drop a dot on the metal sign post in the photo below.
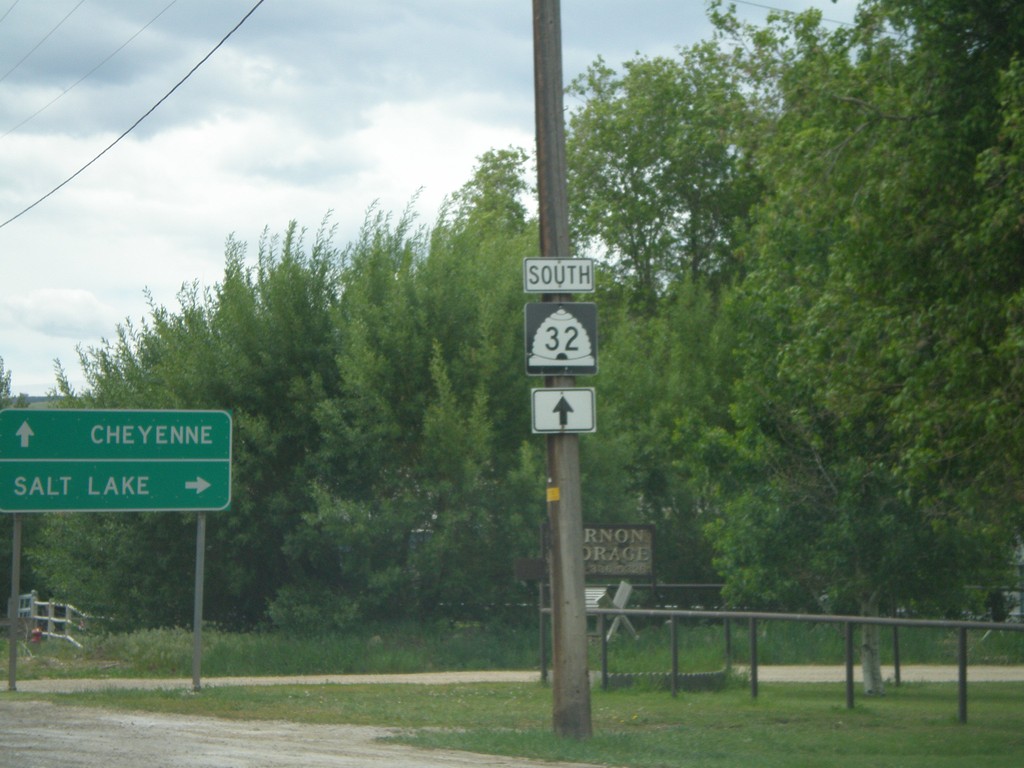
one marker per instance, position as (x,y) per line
(197,615)
(12,607)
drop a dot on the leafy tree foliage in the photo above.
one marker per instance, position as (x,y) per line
(870,367)
(29,526)
(5,386)
(259,344)
(656,178)
(664,383)
(658,185)
(434,403)
(379,454)
(5,526)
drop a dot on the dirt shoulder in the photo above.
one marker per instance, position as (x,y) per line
(422,678)
(780,674)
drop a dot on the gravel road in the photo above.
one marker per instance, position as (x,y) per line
(41,735)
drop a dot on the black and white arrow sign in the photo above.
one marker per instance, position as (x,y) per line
(564,410)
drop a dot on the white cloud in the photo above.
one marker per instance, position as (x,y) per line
(67,313)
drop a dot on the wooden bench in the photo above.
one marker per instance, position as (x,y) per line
(597,597)
(594,598)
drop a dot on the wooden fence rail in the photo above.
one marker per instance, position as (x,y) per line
(50,618)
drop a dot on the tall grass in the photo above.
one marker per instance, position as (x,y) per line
(411,647)
(396,648)
(702,646)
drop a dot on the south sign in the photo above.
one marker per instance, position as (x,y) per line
(546,275)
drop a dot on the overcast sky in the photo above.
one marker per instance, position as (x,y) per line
(310,106)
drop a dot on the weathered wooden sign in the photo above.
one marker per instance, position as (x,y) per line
(615,551)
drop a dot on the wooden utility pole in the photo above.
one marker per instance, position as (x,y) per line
(570,679)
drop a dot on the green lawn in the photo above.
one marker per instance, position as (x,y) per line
(787,725)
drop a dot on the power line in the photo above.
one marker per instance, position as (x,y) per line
(63,93)
(134,125)
(783,10)
(8,11)
(45,38)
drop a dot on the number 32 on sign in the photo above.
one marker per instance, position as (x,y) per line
(561,338)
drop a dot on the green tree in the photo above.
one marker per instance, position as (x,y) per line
(656,178)
(989,417)
(432,498)
(5,528)
(260,344)
(665,381)
(30,525)
(5,386)
(866,319)
(7,398)
(479,458)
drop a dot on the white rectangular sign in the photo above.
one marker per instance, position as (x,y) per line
(570,409)
(558,275)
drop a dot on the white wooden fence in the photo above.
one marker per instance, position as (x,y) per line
(51,619)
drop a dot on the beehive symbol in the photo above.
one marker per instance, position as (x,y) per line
(561,340)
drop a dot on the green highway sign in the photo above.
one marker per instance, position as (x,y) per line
(114,460)
(111,434)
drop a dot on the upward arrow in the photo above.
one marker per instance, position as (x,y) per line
(25,432)
(563,409)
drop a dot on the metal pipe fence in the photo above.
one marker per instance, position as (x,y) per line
(848,623)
